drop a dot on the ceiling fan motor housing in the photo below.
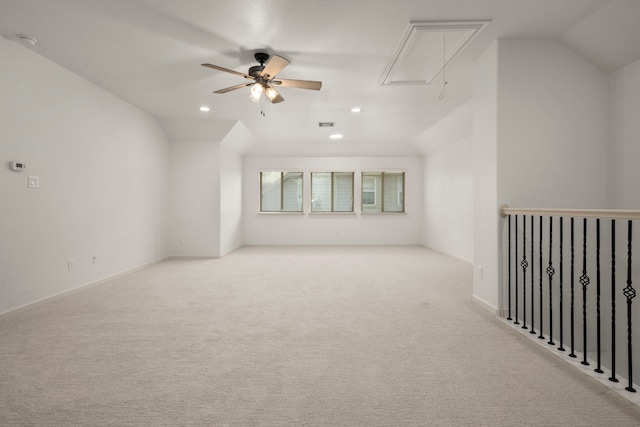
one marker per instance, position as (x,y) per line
(255,70)
(261,57)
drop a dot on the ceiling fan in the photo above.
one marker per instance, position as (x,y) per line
(264,80)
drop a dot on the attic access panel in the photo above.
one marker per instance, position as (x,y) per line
(426,48)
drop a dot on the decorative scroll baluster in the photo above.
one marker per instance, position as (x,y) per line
(572,291)
(584,281)
(630,293)
(561,348)
(613,302)
(515,321)
(524,265)
(550,273)
(532,331)
(541,336)
(509,262)
(598,348)
(527,261)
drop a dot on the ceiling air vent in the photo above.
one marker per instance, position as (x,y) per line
(325,124)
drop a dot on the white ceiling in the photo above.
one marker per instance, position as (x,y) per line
(148,52)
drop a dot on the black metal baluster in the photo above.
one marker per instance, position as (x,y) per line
(572,292)
(509,262)
(613,302)
(561,348)
(515,322)
(550,273)
(598,347)
(541,336)
(524,265)
(532,331)
(630,293)
(584,281)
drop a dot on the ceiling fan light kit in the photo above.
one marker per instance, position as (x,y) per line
(256,92)
(264,78)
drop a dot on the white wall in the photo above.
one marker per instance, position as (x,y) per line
(351,228)
(206,187)
(549,146)
(624,137)
(234,144)
(485,181)
(230,200)
(102,166)
(448,204)
(552,127)
(448,183)
(194,191)
(624,191)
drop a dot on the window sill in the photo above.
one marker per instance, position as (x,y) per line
(382,213)
(280,213)
(332,213)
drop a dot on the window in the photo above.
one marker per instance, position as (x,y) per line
(382,192)
(369,191)
(280,191)
(332,192)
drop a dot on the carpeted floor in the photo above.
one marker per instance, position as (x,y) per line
(288,336)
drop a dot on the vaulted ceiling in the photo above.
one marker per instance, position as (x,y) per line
(148,52)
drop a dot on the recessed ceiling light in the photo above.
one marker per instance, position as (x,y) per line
(28,40)
(356,109)
(204,108)
(336,136)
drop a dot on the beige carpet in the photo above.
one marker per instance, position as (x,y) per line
(288,336)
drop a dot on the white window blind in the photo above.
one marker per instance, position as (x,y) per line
(332,192)
(382,192)
(343,192)
(280,191)
(393,196)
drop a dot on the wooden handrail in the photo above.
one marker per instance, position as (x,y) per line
(579,213)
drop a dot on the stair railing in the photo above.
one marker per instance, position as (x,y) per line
(578,315)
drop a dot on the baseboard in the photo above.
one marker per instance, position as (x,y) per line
(482,303)
(37,303)
(502,312)
(465,260)
(223,254)
(193,257)
(617,387)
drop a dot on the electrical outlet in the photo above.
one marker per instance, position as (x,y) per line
(479,272)
(70,265)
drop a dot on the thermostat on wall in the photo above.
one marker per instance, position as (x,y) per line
(18,166)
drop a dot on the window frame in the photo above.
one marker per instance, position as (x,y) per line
(333,173)
(380,197)
(282,192)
